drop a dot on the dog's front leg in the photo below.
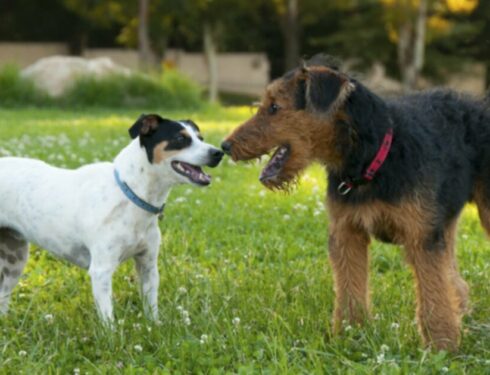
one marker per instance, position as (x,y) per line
(348,253)
(101,276)
(147,268)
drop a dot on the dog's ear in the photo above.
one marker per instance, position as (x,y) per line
(325,90)
(145,125)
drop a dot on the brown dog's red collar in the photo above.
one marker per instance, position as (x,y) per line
(346,186)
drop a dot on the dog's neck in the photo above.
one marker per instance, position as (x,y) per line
(150,182)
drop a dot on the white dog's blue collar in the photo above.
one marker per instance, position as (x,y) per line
(131,195)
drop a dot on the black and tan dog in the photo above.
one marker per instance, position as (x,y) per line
(400,170)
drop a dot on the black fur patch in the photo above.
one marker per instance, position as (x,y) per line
(192,124)
(300,95)
(323,89)
(153,130)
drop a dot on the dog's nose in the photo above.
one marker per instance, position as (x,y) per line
(226,147)
(216,156)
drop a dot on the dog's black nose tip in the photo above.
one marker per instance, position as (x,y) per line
(216,154)
(226,147)
(215,157)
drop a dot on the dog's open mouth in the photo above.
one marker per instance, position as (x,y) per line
(193,172)
(275,165)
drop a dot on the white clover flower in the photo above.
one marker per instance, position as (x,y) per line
(76,371)
(22,353)
(138,348)
(49,317)
(236,321)
(444,369)
(348,328)
(198,202)
(120,322)
(180,308)
(286,217)
(262,193)
(136,326)
(182,290)
(180,199)
(385,348)
(187,321)
(380,358)
(395,325)
(204,339)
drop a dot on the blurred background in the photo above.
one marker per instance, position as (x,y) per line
(231,49)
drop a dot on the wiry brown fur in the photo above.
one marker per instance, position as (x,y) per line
(310,136)
(412,221)
(409,224)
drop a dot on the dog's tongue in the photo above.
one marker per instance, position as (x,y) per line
(274,165)
(196,174)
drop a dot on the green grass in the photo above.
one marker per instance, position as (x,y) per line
(248,266)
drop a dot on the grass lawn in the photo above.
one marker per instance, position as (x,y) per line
(245,282)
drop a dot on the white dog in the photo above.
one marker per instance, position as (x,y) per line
(101,214)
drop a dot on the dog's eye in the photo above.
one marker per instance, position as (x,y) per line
(180,138)
(273,108)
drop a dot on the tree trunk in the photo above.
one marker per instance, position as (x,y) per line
(144,51)
(411,47)
(291,35)
(212,62)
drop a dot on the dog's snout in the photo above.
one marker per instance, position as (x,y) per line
(215,156)
(226,147)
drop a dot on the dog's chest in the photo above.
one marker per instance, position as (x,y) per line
(137,239)
(388,223)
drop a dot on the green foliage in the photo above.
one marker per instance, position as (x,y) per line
(169,91)
(16,91)
(233,250)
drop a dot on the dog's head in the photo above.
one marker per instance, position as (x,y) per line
(296,119)
(176,145)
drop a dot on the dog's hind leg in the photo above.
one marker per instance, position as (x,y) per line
(459,284)
(14,251)
(348,253)
(437,310)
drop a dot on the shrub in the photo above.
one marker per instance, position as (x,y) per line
(171,90)
(16,91)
